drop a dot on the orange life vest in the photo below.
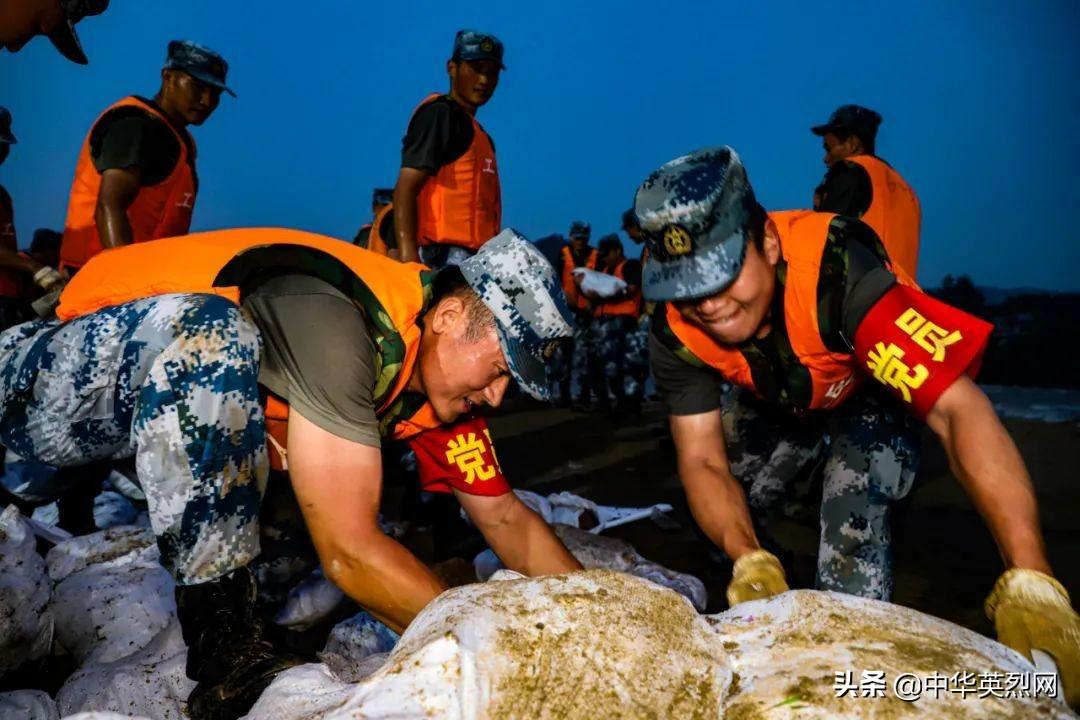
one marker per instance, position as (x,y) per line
(375,242)
(199,263)
(462,203)
(574,299)
(832,375)
(894,212)
(162,210)
(630,305)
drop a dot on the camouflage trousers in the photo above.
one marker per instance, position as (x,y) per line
(870,449)
(637,360)
(172,381)
(610,342)
(569,367)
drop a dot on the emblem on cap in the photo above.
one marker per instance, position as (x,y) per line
(677,240)
(487,46)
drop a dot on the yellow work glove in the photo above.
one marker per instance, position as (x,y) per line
(756,575)
(1031,611)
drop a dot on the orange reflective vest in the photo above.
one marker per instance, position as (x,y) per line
(630,305)
(574,299)
(162,210)
(832,375)
(375,242)
(462,203)
(894,212)
(391,292)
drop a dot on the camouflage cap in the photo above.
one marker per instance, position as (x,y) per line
(382,196)
(475,45)
(199,62)
(6,136)
(514,280)
(64,37)
(580,228)
(695,212)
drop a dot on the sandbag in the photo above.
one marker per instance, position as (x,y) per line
(310,601)
(26,622)
(353,642)
(304,692)
(149,682)
(27,705)
(593,644)
(787,651)
(599,552)
(112,596)
(604,285)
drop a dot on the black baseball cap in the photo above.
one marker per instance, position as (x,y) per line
(475,45)
(854,119)
(64,37)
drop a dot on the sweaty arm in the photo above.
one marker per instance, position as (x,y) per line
(715,495)
(926,353)
(338,484)
(406,223)
(119,187)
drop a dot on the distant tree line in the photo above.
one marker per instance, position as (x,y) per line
(1036,340)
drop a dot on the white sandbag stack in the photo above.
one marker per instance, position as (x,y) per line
(26,623)
(788,650)
(27,705)
(594,644)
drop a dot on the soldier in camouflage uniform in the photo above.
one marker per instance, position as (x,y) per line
(834,350)
(179,381)
(637,342)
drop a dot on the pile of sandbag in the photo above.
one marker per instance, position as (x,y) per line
(26,622)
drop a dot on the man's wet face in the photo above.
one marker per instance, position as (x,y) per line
(21,20)
(193,99)
(474,81)
(460,373)
(740,311)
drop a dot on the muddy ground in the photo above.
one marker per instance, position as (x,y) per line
(945,561)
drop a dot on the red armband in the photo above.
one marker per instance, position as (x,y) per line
(918,346)
(459,457)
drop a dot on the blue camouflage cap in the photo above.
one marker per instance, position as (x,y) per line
(580,228)
(520,288)
(6,136)
(475,45)
(695,212)
(199,62)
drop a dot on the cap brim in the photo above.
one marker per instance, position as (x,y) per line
(527,369)
(480,57)
(65,39)
(696,275)
(824,129)
(209,80)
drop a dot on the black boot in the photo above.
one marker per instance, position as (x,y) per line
(227,652)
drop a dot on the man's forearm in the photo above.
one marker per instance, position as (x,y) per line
(113,226)
(719,506)
(384,578)
(985,460)
(405,224)
(530,546)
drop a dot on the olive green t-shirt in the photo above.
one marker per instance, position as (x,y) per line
(317,354)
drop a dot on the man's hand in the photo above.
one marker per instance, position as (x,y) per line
(520,537)
(756,575)
(406,216)
(49,279)
(338,484)
(1031,611)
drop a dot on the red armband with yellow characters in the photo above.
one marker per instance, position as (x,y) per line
(918,346)
(459,457)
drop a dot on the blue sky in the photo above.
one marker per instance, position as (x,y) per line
(979,102)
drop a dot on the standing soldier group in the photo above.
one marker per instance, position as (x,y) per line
(777,340)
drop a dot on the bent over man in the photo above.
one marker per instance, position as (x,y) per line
(135,179)
(222,345)
(806,315)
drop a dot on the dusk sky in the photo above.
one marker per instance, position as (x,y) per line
(980,110)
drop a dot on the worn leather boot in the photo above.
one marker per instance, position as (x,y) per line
(227,652)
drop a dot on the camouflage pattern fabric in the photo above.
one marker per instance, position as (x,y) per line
(637,360)
(870,447)
(610,340)
(568,371)
(171,380)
